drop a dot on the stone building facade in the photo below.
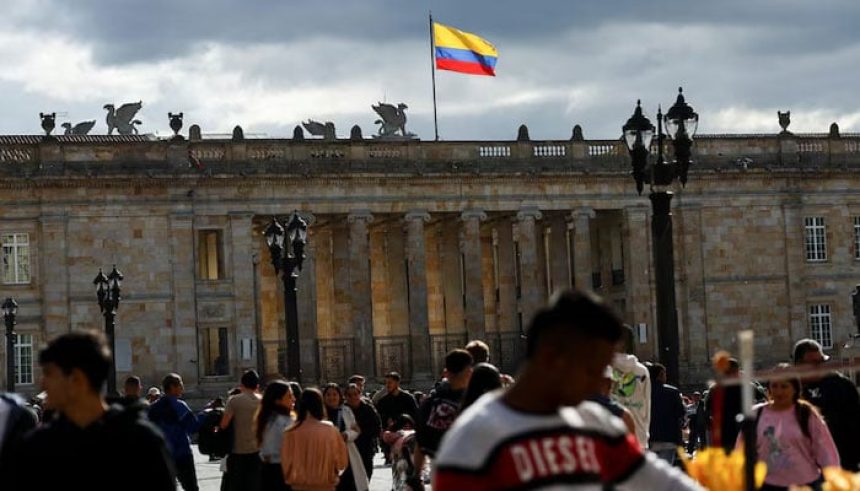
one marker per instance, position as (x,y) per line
(416,247)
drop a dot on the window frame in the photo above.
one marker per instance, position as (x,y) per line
(204,253)
(820,320)
(815,239)
(20,347)
(857,238)
(12,261)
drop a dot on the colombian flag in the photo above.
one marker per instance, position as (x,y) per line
(463,52)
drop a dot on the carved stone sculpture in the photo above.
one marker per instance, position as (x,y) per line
(393,120)
(175,124)
(122,119)
(81,128)
(316,128)
(48,122)
(784,120)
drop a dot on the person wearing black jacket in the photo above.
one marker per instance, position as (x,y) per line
(667,415)
(837,399)
(89,445)
(18,419)
(368,422)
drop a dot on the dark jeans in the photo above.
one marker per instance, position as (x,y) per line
(186,474)
(243,472)
(272,478)
(347,480)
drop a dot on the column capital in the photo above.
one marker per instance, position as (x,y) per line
(359,215)
(583,212)
(473,213)
(527,212)
(422,215)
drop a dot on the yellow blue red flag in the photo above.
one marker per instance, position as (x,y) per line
(463,52)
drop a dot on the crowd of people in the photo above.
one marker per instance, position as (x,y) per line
(583,412)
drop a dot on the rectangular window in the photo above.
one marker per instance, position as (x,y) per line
(23,359)
(216,354)
(816,239)
(857,237)
(16,258)
(210,265)
(819,325)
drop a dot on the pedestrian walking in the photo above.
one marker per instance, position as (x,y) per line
(178,422)
(610,405)
(541,432)
(485,378)
(273,417)
(354,477)
(401,439)
(16,419)
(791,438)
(243,462)
(667,417)
(89,445)
(837,399)
(722,417)
(369,426)
(632,386)
(395,402)
(313,452)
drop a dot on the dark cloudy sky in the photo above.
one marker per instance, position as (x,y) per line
(269,64)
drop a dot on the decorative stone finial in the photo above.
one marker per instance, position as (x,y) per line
(176,124)
(355,133)
(834,130)
(48,122)
(784,120)
(523,133)
(238,134)
(194,133)
(577,134)
(298,133)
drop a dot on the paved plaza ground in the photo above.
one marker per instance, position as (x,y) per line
(209,475)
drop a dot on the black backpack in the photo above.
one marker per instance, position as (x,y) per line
(211,439)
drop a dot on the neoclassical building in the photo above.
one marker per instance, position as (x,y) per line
(415,247)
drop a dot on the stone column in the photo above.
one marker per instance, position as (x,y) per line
(692,306)
(419,325)
(605,245)
(508,315)
(531,297)
(582,247)
(359,284)
(637,270)
(398,303)
(54,268)
(452,279)
(184,311)
(474,290)
(795,270)
(341,322)
(559,260)
(306,300)
(242,266)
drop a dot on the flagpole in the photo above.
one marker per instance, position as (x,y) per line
(433,71)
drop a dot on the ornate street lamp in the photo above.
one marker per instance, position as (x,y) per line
(10,310)
(108,294)
(287,246)
(681,123)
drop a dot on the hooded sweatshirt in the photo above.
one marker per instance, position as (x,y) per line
(632,389)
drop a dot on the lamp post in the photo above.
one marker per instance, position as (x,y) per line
(681,123)
(287,246)
(108,294)
(10,309)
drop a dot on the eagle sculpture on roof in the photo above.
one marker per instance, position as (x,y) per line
(81,128)
(122,119)
(393,120)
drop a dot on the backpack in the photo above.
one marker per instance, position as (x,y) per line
(211,439)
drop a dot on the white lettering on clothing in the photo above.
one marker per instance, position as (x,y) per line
(548,451)
(538,458)
(522,462)
(587,455)
(565,447)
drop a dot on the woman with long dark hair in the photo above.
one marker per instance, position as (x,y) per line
(354,478)
(792,437)
(485,378)
(273,417)
(313,452)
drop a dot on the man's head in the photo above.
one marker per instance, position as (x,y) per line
(153,394)
(570,343)
(657,373)
(353,395)
(250,380)
(74,368)
(132,387)
(809,352)
(696,397)
(479,350)
(392,382)
(358,380)
(458,368)
(172,385)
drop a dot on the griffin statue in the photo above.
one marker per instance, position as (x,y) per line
(81,128)
(122,119)
(393,120)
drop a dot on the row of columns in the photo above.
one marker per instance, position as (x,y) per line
(349,292)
